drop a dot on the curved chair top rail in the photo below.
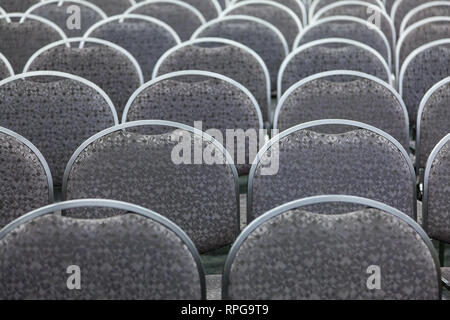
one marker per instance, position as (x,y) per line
(38,154)
(411,57)
(267,3)
(228,159)
(82,40)
(50,209)
(197,32)
(312,124)
(208,74)
(7,64)
(59,3)
(327,74)
(176,2)
(430,162)
(321,200)
(312,8)
(122,18)
(300,4)
(24,16)
(65,76)
(410,29)
(418,9)
(324,42)
(352,19)
(221,41)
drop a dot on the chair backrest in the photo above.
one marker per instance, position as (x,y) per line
(280,16)
(146,38)
(180,15)
(319,4)
(20,39)
(301,162)
(360,97)
(210,9)
(422,69)
(292,253)
(297,6)
(113,7)
(401,8)
(56,112)
(424,11)
(227,57)
(106,64)
(436,211)
(255,33)
(6,69)
(210,99)
(60,12)
(138,255)
(178,171)
(327,55)
(25,178)
(17,5)
(347,27)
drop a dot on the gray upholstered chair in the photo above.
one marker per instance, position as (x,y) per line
(227,57)
(21,35)
(302,162)
(257,34)
(344,95)
(435,202)
(56,112)
(347,27)
(316,5)
(422,69)
(297,6)
(113,7)
(180,15)
(17,5)
(373,253)
(6,69)
(401,8)
(144,37)
(165,166)
(424,11)
(104,63)
(327,55)
(210,9)
(25,178)
(59,12)
(280,16)
(138,255)
(206,98)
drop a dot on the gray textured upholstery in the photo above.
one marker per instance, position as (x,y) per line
(347,29)
(23,181)
(137,168)
(55,116)
(216,103)
(425,69)
(262,39)
(358,99)
(323,3)
(403,8)
(293,5)
(359,162)
(431,11)
(181,19)
(112,7)
(58,14)
(108,68)
(206,8)
(17,5)
(128,257)
(278,17)
(446,274)
(320,58)
(145,40)
(228,60)
(299,255)
(388,5)
(4,71)
(438,195)
(21,40)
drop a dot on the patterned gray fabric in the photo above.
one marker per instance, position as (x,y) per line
(145,40)
(108,68)
(125,257)
(206,8)
(4,72)
(403,9)
(322,58)
(55,116)
(58,14)
(17,5)
(438,195)
(216,103)
(388,5)
(181,19)
(300,255)
(359,163)
(293,5)
(349,30)
(433,11)
(426,69)
(323,3)
(21,40)
(276,16)
(112,7)
(254,35)
(445,272)
(360,99)
(23,181)
(228,60)
(139,169)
